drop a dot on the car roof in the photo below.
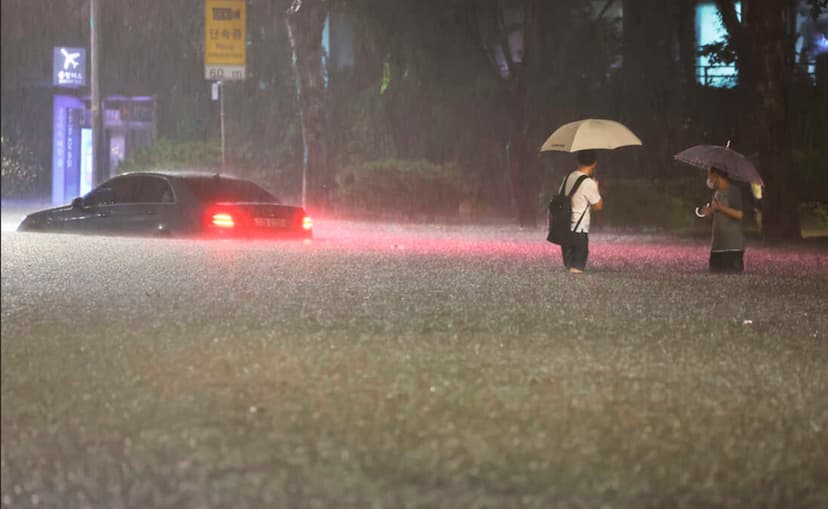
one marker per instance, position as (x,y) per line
(180,174)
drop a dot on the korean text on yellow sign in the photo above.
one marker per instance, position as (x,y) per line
(225,39)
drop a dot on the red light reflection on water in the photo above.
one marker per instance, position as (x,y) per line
(510,246)
(608,252)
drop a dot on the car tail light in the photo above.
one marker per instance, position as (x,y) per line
(223,220)
(307,223)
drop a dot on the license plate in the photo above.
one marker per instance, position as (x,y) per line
(270,222)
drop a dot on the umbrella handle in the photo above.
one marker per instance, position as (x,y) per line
(698,212)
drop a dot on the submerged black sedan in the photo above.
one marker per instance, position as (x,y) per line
(172,204)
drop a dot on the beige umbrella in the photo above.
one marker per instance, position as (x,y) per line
(592,133)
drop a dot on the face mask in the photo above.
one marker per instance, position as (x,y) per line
(710,183)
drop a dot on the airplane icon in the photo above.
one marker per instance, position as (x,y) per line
(70,59)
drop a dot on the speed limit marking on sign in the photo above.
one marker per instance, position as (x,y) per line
(224,72)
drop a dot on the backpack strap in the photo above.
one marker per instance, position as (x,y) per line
(563,185)
(577,185)
(572,193)
(580,219)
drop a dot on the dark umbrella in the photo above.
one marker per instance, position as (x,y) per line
(737,166)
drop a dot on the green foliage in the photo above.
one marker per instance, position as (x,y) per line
(359,132)
(817,7)
(284,180)
(814,219)
(719,53)
(809,126)
(818,211)
(398,188)
(421,86)
(665,204)
(810,175)
(20,172)
(386,76)
(171,155)
(420,89)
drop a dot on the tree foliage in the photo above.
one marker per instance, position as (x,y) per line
(761,46)
(476,85)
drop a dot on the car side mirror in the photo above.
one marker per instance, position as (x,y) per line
(77,203)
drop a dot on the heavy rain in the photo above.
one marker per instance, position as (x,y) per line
(294,253)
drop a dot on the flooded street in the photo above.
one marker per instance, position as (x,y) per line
(409,366)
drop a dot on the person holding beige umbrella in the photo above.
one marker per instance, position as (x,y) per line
(569,211)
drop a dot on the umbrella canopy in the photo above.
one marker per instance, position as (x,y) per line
(737,166)
(592,133)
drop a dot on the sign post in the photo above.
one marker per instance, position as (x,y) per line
(225,49)
(95,91)
(223,138)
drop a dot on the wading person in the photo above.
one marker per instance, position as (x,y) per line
(576,249)
(728,248)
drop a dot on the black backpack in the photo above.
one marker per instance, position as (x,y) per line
(560,214)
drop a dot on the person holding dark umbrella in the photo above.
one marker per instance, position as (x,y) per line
(728,248)
(724,167)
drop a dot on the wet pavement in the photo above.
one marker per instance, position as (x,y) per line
(410,366)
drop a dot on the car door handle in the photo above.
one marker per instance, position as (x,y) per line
(149,212)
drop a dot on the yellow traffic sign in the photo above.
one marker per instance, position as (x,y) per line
(225,39)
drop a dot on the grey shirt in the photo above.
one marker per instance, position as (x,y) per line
(727,232)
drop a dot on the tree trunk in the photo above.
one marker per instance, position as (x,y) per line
(652,102)
(523,185)
(687,46)
(305,21)
(494,34)
(766,22)
(523,174)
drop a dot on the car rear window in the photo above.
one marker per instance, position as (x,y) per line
(217,189)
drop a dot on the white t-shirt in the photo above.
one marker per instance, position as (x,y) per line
(586,196)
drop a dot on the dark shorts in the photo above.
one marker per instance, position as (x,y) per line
(575,252)
(727,262)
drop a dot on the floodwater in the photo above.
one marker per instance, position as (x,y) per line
(409,366)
